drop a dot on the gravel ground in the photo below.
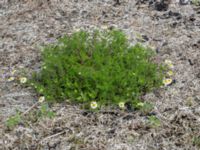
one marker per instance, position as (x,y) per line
(175,34)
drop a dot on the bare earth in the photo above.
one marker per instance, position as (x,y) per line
(175,34)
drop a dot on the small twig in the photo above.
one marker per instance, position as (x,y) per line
(33,106)
(54,135)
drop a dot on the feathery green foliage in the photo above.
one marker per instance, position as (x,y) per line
(97,66)
(196,2)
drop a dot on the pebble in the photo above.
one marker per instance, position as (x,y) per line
(184,2)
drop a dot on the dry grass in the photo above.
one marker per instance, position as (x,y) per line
(23,29)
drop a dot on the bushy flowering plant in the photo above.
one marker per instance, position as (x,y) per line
(98,68)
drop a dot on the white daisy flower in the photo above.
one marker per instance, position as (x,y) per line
(23,80)
(93,105)
(167,81)
(41,99)
(11,79)
(77,29)
(104,27)
(169,63)
(122,105)
(170,73)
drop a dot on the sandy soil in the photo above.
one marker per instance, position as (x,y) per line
(175,34)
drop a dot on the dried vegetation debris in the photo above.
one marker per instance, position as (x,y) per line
(173,32)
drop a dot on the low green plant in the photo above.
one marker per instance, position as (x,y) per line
(33,116)
(13,121)
(145,107)
(196,2)
(45,111)
(196,141)
(154,121)
(98,66)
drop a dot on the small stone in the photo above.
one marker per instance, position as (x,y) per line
(84,113)
(117,3)
(152,113)
(197,110)
(128,117)
(184,2)
(112,131)
(192,18)
(145,37)
(198,75)
(190,62)
(175,14)
(53,144)
(161,6)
